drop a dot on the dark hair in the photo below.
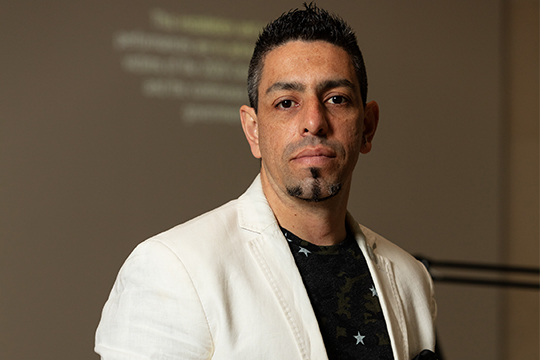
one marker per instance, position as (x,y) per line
(311,24)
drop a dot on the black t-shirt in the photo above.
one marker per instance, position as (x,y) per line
(344,299)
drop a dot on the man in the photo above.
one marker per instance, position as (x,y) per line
(283,272)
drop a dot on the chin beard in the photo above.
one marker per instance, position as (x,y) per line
(313,192)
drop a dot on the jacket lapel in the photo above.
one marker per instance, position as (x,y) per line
(271,251)
(381,269)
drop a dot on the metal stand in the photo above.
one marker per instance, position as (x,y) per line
(438,276)
(502,269)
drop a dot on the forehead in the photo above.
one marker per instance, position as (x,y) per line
(306,62)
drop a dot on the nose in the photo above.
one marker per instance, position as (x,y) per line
(314,119)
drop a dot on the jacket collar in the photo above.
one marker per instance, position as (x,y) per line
(365,239)
(254,212)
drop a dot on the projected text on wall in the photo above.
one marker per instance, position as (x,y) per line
(199,61)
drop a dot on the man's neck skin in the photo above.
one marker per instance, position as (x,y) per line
(321,223)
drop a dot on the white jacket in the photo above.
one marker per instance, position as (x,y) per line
(225,286)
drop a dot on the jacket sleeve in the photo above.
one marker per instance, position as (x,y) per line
(153,311)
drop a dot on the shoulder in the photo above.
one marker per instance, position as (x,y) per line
(182,258)
(207,230)
(215,241)
(215,220)
(221,231)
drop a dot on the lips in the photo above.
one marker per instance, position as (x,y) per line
(319,151)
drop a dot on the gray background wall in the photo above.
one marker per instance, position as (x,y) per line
(91,165)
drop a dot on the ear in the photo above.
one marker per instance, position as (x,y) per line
(250,126)
(371,119)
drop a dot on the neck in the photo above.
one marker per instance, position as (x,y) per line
(320,223)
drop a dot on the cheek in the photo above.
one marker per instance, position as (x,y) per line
(269,143)
(274,136)
(352,139)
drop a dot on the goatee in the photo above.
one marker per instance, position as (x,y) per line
(315,187)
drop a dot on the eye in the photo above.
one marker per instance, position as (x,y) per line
(337,100)
(286,104)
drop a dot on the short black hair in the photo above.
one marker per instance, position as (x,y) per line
(311,24)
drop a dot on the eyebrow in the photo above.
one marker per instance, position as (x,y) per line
(332,84)
(296,86)
(283,85)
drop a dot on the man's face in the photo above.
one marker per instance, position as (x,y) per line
(310,121)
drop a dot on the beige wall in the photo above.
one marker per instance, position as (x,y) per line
(521,327)
(90,166)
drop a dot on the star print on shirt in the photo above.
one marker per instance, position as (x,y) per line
(304,251)
(359,338)
(373,291)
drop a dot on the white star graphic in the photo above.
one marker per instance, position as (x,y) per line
(359,338)
(373,291)
(304,250)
